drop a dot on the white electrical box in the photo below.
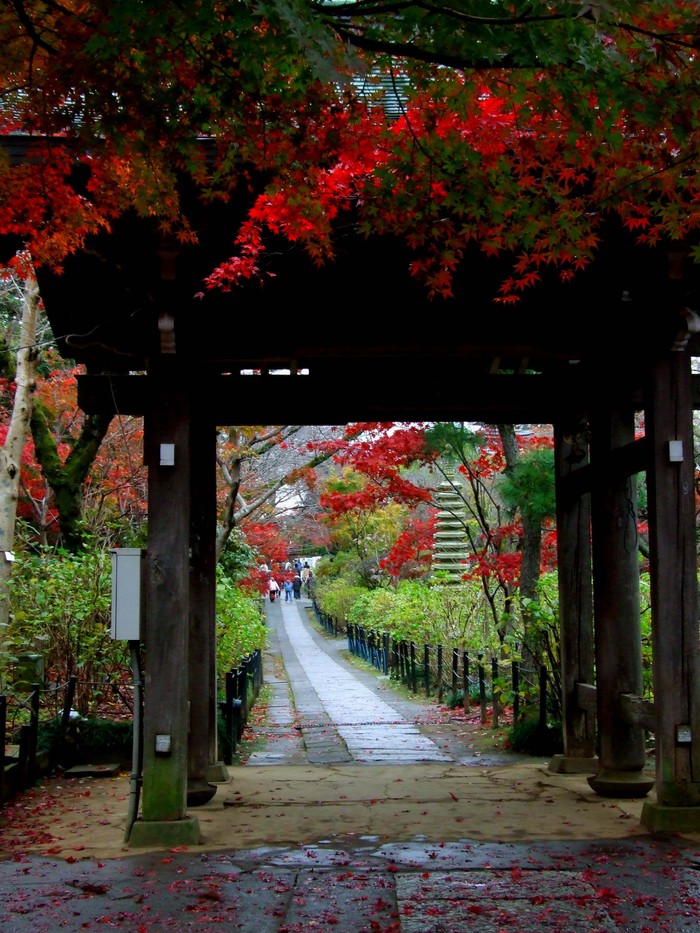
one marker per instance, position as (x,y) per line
(127,598)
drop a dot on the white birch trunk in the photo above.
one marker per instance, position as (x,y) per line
(11,451)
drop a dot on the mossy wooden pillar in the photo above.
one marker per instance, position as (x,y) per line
(202,645)
(674,598)
(575,597)
(616,607)
(163,819)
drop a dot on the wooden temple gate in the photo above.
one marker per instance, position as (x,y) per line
(360,341)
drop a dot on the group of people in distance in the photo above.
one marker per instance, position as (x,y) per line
(294,577)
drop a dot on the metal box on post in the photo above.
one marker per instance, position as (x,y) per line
(127,599)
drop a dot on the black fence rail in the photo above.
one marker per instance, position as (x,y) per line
(38,728)
(21,720)
(328,622)
(242,688)
(450,674)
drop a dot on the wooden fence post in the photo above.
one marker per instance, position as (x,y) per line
(3,739)
(242,696)
(465,681)
(33,734)
(495,698)
(25,745)
(439,673)
(543,696)
(65,716)
(229,721)
(482,689)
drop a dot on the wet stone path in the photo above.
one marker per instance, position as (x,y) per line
(325,710)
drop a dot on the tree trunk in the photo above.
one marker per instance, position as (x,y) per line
(67,480)
(531,548)
(11,451)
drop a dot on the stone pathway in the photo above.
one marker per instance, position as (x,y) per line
(325,710)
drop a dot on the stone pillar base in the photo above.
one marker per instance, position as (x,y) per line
(165,833)
(570,764)
(624,784)
(658,818)
(218,773)
(199,792)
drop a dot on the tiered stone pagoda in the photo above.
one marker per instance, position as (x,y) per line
(450,550)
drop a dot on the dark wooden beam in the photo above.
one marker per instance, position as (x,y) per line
(367,394)
(626,461)
(636,711)
(587,697)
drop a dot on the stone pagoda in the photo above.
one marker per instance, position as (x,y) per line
(450,547)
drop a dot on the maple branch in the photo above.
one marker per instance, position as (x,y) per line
(248,508)
(338,18)
(667,38)
(31,29)
(416,53)
(366,9)
(369,9)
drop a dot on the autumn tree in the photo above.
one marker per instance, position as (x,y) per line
(81,474)
(362,525)
(528,134)
(67,477)
(24,293)
(527,490)
(268,470)
(505,486)
(374,507)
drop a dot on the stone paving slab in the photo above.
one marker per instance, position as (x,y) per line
(598,887)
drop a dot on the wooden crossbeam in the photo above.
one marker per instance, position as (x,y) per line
(366,394)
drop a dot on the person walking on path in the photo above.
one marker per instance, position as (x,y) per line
(273,588)
(288,590)
(296,586)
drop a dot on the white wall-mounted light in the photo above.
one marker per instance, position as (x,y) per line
(684,735)
(675,451)
(163,745)
(167,454)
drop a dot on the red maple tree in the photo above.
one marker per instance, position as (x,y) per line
(526,134)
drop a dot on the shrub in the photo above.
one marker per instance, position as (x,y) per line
(240,623)
(336,598)
(534,738)
(60,606)
(90,740)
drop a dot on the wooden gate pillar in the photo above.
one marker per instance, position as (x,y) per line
(575,598)
(202,644)
(164,820)
(674,597)
(616,600)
